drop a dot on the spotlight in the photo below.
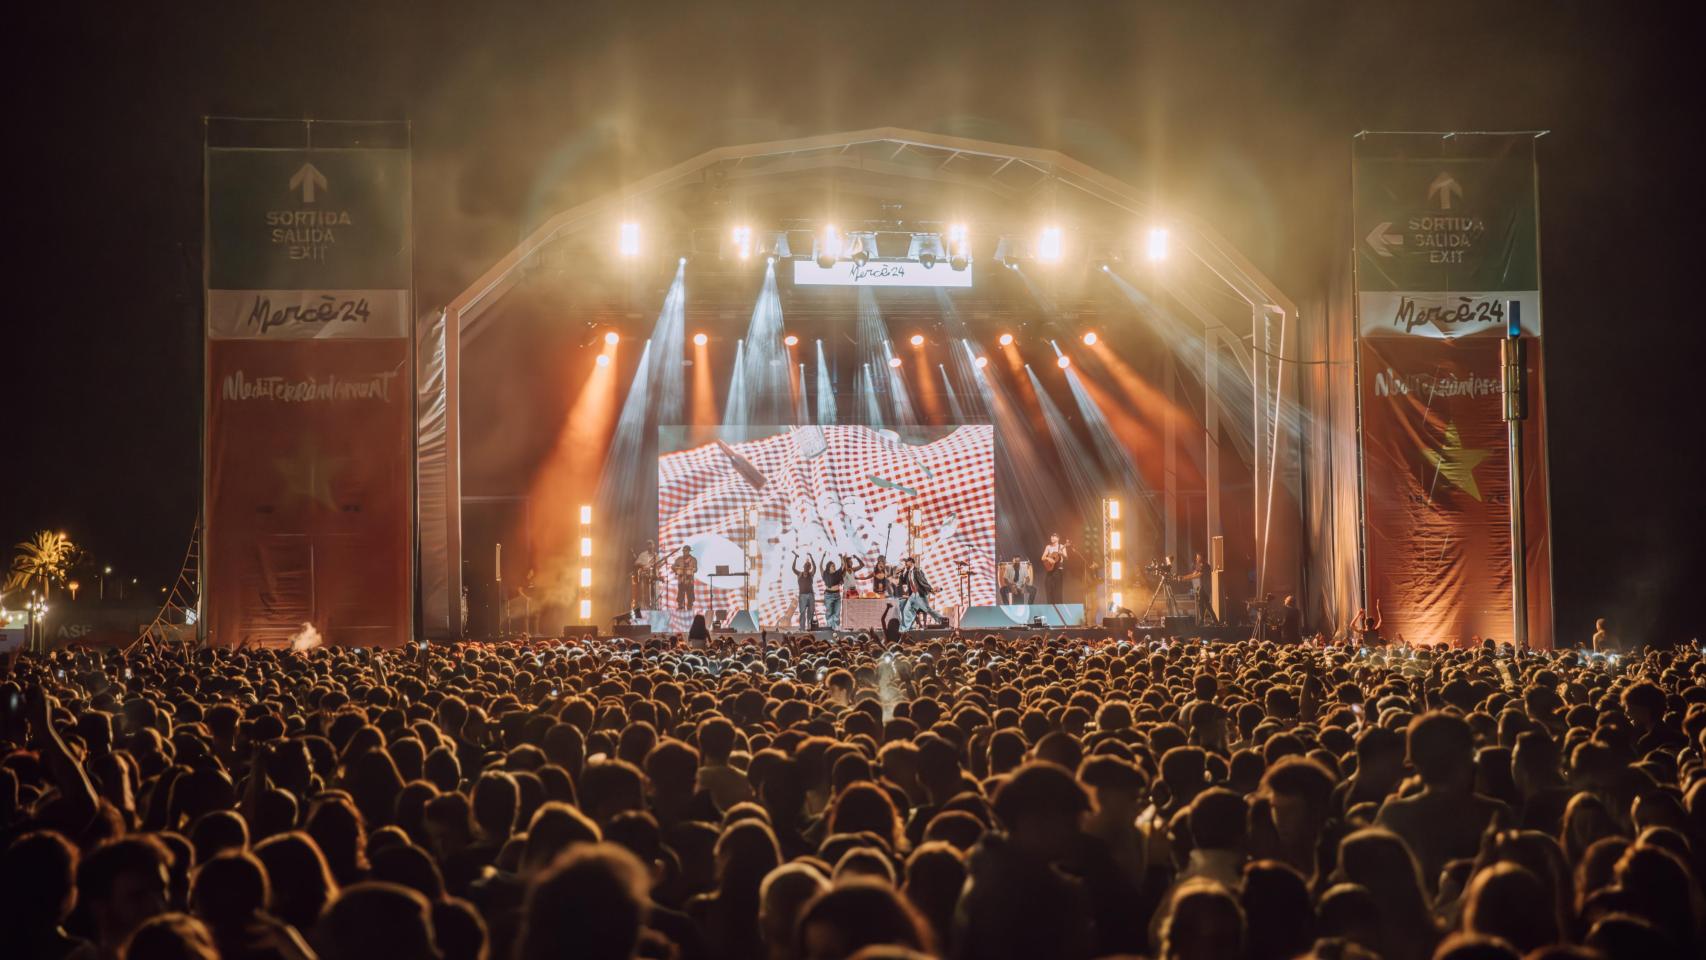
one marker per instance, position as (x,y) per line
(603,360)
(894,361)
(829,247)
(980,362)
(1090,339)
(612,338)
(959,251)
(1007,339)
(742,236)
(918,339)
(1064,362)
(628,240)
(700,339)
(1156,247)
(1050,245)
(791,340)
(860,254)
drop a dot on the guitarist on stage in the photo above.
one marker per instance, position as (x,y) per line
(1054,570)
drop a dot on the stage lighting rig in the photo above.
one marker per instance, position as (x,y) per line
(699,339)
(959,247)
(1090,338)
(791,340)
(1006,340)
(926,249)
(918,339)
(862,249)
(1063,362)
(628,240)
(1156,247)
(828,247)
(742,238)
(1051,245)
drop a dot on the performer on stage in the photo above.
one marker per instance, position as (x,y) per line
(1054,569)
(685,567)
(1018,582)
(808,592)
(834,577)
(1291,622)
(879,577)
(917,590)
(1201,574)
(644,579)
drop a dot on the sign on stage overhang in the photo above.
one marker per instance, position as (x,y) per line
(879,273)
(307,244)
(308,487)
(1444,243)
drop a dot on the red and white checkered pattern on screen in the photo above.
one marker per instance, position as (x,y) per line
(821,499)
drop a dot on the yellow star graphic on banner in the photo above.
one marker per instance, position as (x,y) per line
(308,474)
(1455,463)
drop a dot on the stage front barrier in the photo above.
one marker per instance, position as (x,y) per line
(1021,614)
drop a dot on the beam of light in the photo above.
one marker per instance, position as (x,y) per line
(917,340)
(1006,340)
(957,412)
(927,392)
(736,407)
(802,408)
(791,340)
(628,240)
(1139,405)
(704,389)
(1087,484)
(768,377)
(873,347)
(627,484)
(699,339)
(668,335)
(962,366)
(742,239)
(612,338)
(1090,339)
(825,389)
(1118,463)
(1236,397)
(1027,503)
(866,399)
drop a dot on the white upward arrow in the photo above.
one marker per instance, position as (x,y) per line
(307,178)
(1445,185)
(1381,240)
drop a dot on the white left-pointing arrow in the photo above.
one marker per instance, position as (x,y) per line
(307,178)
(1381,239)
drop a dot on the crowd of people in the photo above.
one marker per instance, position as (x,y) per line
(963,797)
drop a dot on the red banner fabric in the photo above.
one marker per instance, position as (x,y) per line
(1436,482)
(308,477)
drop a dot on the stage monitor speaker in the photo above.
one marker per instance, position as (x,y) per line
(742,622)
(1021,614)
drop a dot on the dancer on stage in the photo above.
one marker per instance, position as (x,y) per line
(917,590)
(808,592)
(685,567)
(834,578)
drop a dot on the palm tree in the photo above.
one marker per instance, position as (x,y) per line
(45,558)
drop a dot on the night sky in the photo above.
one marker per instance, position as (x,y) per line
(1239,113)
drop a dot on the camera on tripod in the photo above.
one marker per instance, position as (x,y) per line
(1160,568)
